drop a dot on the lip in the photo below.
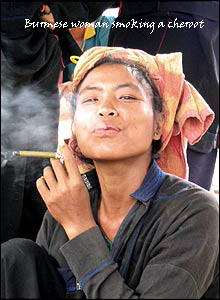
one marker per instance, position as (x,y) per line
(105,129)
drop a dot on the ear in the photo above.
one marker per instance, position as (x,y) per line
(158,125)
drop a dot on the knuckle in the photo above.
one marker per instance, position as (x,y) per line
(77,186)
(63,191)
(52,199)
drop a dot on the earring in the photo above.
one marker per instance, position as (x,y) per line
(155,133)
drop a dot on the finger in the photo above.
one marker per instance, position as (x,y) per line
(59,170)
(42,187)
(70,162)
(50,177)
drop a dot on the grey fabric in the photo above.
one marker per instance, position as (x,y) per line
(166,247)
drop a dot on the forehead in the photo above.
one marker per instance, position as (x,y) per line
(109,73)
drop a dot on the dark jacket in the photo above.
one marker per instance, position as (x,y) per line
(166,246)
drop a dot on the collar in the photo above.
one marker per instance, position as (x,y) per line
(151,183)
(89,32)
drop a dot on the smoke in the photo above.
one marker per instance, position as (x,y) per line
(29,121)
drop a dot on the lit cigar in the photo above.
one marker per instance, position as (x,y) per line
(9,155)
(37,154)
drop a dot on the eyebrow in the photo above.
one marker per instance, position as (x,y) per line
(120,86)
(90,88)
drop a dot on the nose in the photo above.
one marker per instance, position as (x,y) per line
(107,112)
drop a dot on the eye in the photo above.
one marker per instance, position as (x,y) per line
(128,97)
(90,100)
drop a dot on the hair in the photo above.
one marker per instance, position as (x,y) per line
(142,75)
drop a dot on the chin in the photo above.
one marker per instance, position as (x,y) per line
(103,155)
(111,156)
(106,152)
(101,151)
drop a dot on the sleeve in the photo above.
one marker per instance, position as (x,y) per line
(50,237)
(181,264)
(45,233)
(97,274)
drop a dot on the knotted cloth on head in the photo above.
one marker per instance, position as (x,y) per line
(187,115)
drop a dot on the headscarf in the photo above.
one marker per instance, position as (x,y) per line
(187,115)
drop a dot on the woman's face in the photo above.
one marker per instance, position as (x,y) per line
(114,117)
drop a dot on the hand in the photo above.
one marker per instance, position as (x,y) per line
(48,17)
(66,195)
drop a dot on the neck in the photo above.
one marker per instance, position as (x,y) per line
(118,179)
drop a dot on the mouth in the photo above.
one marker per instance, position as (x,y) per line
(105,129)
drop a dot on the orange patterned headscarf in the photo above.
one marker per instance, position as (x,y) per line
(187,115)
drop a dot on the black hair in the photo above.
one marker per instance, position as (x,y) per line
(140,73)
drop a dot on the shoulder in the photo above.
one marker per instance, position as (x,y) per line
(179,196)
(175,186)
(186,215)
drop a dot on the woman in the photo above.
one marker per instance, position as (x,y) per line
(131,231)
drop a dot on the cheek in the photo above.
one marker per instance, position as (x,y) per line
(82,125)
(143,122)
(81,120)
